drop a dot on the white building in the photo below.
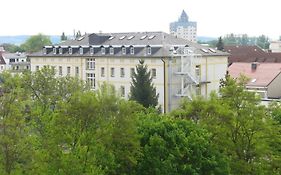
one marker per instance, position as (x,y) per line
(183,28)
(275,46)
(180,68)
(13,62)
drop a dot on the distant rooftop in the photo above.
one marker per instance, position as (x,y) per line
(261,75)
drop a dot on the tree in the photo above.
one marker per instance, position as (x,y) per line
(263,42)
(240,127)
(35,43)
(142,88)
(177,146)
(78,34)
(12,48)
(15,151)
(220,45)
(63,37)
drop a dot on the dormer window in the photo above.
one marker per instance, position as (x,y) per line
(70,51)
(44,50)
(103,51)
(81,50)
(54,50)
(91,50)
(111,50)
(132,50)
(148,50)
(124,50)
(60,50)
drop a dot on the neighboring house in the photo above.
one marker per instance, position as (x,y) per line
(183,28)
(251,54)
(265,78)
(13,62)
(275,46)
(179,68)
(2,63)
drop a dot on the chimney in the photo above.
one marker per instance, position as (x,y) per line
(254,66)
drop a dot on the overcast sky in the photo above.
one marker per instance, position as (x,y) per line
(214,17)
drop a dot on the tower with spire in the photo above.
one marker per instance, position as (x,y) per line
(183,28)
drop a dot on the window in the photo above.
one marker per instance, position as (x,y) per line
(54,50)
(122,91)
(60,70)
(76,71)
(197,71)
(122,72)
(68,70)
(70,51)
(60,50)
(148,50)
(132,71)
(111,50)
(112,72)
(37,68)
(81,51)
(102,72)
(91,50)
(153,73)
(103,50)
(91,80)
(90,63)
(44,50)
(198,89)
(132,50)
(124,50)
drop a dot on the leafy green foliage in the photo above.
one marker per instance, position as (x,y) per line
(177,146)
(220,45)
(240,127)
(142,88)
(63,37)
(51,125)
(35,43)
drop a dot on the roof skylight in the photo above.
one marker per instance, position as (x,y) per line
(212,50)
(151,37)
(131,37)
(122,37)
(110,38)
(143,37)
(205,50)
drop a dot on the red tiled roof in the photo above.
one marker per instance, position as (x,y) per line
(264,73)
(251,54)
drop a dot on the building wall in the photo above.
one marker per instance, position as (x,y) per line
(107,63)
(274,88)
(167,83)
(189,33)
(211,70)
(275,46)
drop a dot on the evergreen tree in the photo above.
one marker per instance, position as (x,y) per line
(142,88)
(78,34)
(220,45)
(63,37)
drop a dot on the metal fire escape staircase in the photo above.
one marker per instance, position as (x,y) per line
(187,72)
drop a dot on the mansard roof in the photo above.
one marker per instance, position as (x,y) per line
(160,42)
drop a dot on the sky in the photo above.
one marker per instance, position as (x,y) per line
(214,17)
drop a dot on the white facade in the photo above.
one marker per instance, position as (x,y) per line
(183,28)
(176,74)
(275,46)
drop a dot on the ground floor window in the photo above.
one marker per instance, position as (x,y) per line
(91,80)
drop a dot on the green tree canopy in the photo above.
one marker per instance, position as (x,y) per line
(142,88)
(36,43)
(240,127)
(220,45)
(177,146)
